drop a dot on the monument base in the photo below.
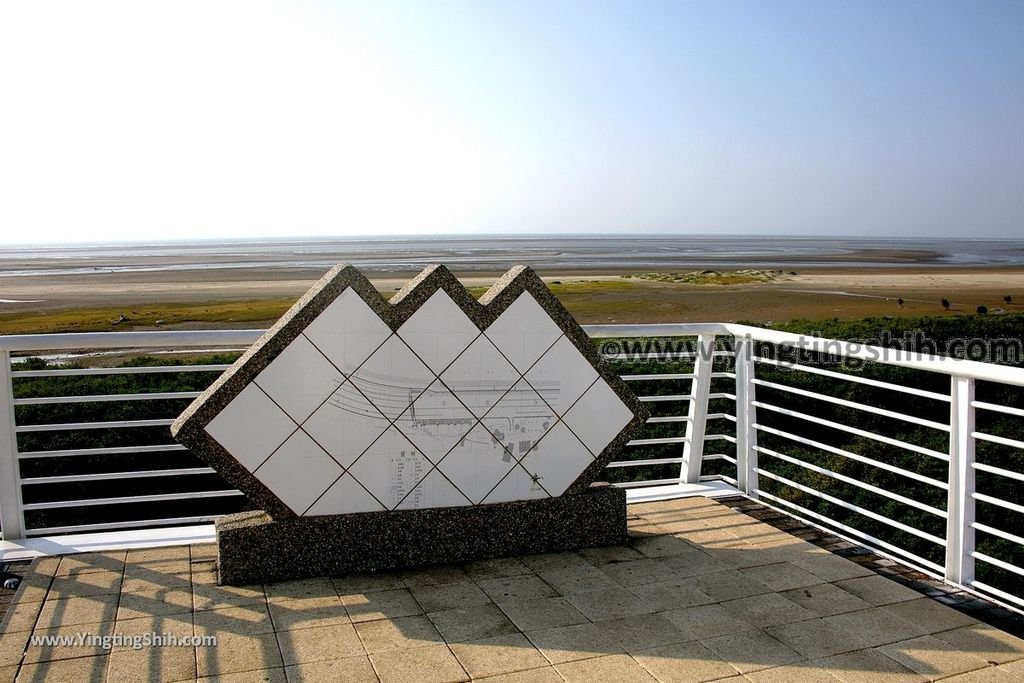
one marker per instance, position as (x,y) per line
(254,548)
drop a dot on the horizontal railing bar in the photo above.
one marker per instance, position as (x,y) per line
(992,469)
(722,394)
(887,356)
(854,378)
(999,533)
(1002,595)
(666,376)
(852,456)
(102,476)
(844,528)
(995,561)
(154,498)
(641,463)
(645,482)
(113,450)
(720,437)
(665,397)
(998,502)
(853,430)
(1001,440)
(852,404)
(72,426)
(719,456)
(667,419)
(133,524)
(996,408)
(853,482)
(658,441)
(852,507)
(162,396)
(132,370)
(127,340)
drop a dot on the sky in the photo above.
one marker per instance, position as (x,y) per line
(180,120)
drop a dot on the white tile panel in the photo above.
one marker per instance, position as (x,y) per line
(392,377)
(477,463)
(346,424)
(523,332)
(298,472)
(251,427)
(517,485)
(557,460)
(344,497)
(480,376)
(299,379)
(438,331)
(435,421)
(433,491)
(561,375)
(390,468)
(598,417)
(347,331)
(519,419)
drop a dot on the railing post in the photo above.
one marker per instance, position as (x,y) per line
(960,506)
(746,418)
(10,478)
(696,424)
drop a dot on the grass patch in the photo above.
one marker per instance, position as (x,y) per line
(150,315)
(713,277)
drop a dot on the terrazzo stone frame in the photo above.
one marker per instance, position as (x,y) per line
(254,548)
(190,427)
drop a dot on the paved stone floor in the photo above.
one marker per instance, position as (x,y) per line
(702,592)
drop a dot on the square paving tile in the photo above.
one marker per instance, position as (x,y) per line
(932,657)
(433,664)
(639,572)
(525,587)
(319,643)
(152,664)
(577,579)
(355,584)
(568,643)
(831,567)
(875,626)
(661,546)
(643,631)
(90,668)
(729,585)
(609,554)
(611,668)
(445,596)
(300,589)
(867,666)
(400,633)
(750,651)
(496,568)
(770,609)
(382,605)
(825,599)
(472,623)
(610,604)
(708,621)
(931,615)
(308,612)
(674,592)
(529,615)
(79,611)
(250,619)
(782,576)
(346,670)
(498,655)
(816,638)
(239,653)
(988,642)
(688,662)
(878,590)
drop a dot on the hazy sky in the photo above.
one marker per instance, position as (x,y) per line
(159,120)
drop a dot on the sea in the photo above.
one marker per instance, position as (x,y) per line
(479,253)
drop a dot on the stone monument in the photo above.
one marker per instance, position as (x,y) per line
(430,429)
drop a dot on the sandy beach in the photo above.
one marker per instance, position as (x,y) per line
(594,296)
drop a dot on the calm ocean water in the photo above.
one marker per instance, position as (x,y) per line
(490,253)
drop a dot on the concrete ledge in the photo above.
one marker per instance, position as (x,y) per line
(255,548)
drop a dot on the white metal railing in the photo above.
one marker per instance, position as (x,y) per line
(720,387)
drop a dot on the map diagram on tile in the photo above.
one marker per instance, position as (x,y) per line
(352,404)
